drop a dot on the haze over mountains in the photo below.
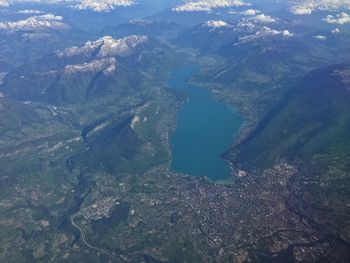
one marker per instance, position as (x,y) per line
(61,72)
(88,114)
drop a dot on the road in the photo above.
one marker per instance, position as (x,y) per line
(100,250)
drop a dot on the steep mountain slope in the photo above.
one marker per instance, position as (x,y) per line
(81,73)
(309,125)
(310,128)
(85,150)
(253,67)
(29,37)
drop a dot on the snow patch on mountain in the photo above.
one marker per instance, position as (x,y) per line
(255,23)
(4,3)
(320,37)
(107,65)
(342,18)
(306,7)
(107,47)
(335,31)
(207,5)
(94,5)
(102,5)
(263,33)
(250,12)
(216,24)
(264,19)
(31,12)
(35,23)
(103,53)
(141,22)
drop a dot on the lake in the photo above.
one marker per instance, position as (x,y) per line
(205,130)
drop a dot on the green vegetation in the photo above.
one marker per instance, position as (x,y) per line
(85,154)
(310,125)
(182,251)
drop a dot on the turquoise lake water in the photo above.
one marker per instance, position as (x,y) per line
(205,130)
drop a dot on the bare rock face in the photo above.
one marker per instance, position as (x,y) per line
(108,47)
(106,50)
(102,6)
(37,23)
(76,72)
(107,65)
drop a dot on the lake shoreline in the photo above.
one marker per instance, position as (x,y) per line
(204,131)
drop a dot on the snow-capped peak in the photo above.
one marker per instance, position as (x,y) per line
(106,49)
(102,5)
(107,45)
(107,65)
(40,22)
(94,5)
(263,33)
(216,24)
(307,7)
(207,5)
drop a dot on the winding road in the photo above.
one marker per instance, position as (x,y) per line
(100,250)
